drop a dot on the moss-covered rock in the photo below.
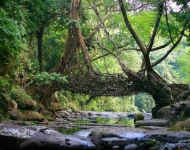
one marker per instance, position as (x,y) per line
(163,112)
(181,125)
(12,105)
(138,116)
(33,115)
(16,115)
(48,115)
(30,104)
(56,107)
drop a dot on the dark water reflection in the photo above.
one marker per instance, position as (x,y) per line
(90,122)
(124,121)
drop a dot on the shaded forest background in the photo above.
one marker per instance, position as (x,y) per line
(33,37)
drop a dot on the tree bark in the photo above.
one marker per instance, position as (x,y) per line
(39,34)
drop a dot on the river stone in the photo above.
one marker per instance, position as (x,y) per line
(63,114)
(115,147)
(112,141)
(152,122)
(60,120)
(14,137)
(131,147)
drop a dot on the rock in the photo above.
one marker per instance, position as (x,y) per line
(152,122)
(149,144)
(55,107)
(175,146)
(155,110)
(163,112)
(63,114)
(60,120)
(131,147)
(16,115)
(181,125)
(12,105)
(110,142)
(107,139)
(39,138)
(30,144)
(52,125)
(187,111)
(33,115)
(115,147)
(48,115)
(138,116)
(30,104)
(83,113)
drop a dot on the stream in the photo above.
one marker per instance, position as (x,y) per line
(93,131)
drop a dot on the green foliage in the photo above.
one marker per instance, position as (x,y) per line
(45,77)
(3,103)
(74,23)
(11,37)
(19,95)
(69,131)
(4,84)
(119,121)
(144,102)
(54,42)
(139,116)
(67,101)
(1,112)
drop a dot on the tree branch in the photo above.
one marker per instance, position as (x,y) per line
(160,9)
(130,28)
(162,46)
(96,29)
(169,31)
(169,51)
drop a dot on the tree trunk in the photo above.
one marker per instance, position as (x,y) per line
(40,50)
(162,92)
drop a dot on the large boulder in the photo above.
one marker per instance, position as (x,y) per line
(16,115)
(12,105)
(33,115)
(30,104)
(14,137)
(153,122)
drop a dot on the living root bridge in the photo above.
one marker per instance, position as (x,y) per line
(101,85)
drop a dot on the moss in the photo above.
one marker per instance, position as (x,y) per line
(138,116)
(181,125)
(23,100)
(33,116)
(3,104)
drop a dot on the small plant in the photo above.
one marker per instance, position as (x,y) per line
(138,116)
(4,85)
(46,78)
